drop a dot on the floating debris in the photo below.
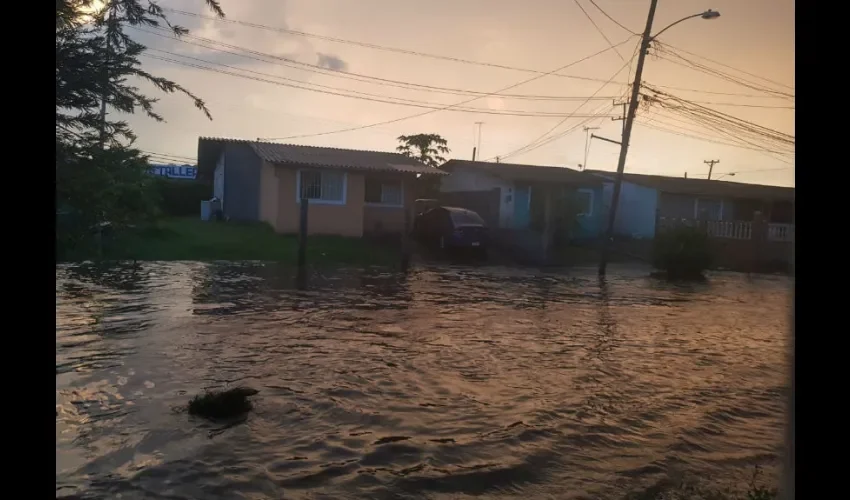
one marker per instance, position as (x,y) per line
(222,404)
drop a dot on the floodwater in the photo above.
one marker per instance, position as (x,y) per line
(450,382)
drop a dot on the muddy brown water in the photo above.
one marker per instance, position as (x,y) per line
(449,382)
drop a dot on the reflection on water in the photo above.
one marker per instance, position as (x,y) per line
(445,383)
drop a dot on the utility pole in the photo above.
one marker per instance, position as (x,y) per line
(622,118)
(627,132)
(710,164)
(587,144)
(478,144)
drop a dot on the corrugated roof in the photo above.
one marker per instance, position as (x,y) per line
(314,156)
(529,173)
(704,187)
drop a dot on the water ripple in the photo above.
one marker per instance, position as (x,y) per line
(447,382)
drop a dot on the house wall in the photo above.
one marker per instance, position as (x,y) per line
(242,182)
(676,206)
(218,179)
(342,220)
(269,193)
(462,179)
(592,225)
(378,219)
(636,210)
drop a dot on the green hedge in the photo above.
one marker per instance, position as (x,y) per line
(183,197)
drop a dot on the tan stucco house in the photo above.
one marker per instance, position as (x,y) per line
(351,192)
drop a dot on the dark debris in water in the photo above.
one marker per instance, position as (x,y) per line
(222,404)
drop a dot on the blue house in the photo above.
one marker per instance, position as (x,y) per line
(508,195)
(650,201)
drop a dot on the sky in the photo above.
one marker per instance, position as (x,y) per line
(751,40)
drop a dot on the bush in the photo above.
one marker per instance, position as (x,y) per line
(683,253)
(183,197)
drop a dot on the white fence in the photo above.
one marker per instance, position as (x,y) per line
(736,230)
(780,232)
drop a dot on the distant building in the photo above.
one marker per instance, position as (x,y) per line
(351,192)
(174,171)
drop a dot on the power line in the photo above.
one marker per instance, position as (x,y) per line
(704,139)
(731,67)
(396,120)
(374,46)
(531,146)
(169,156)
(301,66)
(599,29)
(340,92)
(611,18)
(739,172)
(702,91)
(718,74)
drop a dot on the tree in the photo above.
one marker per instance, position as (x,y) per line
(100,176)
(427,148)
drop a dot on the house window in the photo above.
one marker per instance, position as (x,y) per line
(382,192)
(708,209)
(584,202)
(321,186)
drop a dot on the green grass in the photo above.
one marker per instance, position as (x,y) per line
(193,239)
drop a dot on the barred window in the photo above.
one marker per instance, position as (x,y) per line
(322,185)
(383,192)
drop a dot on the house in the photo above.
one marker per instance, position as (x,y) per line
(508,195)
(649,200)
(351,192)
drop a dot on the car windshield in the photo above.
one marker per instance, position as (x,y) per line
(466,219)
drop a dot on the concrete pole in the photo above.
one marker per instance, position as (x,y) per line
(627,132)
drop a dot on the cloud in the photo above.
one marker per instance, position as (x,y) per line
(331,62)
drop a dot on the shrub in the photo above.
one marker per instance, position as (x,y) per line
(683,253)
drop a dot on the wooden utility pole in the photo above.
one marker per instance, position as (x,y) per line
(587,144)
(710,164)
(627,132)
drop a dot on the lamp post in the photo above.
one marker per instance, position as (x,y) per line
(646,38)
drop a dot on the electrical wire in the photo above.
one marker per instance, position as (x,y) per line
(599,29)
(341,92)
(678,104)
(403,118)
(167,155)
(730,67)
(704,139)
(315,69)
(660,48)
(611,18)
(370,45)
(534,144)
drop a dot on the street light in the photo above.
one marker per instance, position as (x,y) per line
(646,38)
(709,14)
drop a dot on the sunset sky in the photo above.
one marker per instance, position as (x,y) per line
(752,36)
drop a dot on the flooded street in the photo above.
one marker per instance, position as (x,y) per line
(449,382)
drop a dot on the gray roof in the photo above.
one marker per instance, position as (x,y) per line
(704,187)
(527,173)
(314,156)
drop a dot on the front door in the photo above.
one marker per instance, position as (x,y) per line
(522,206)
